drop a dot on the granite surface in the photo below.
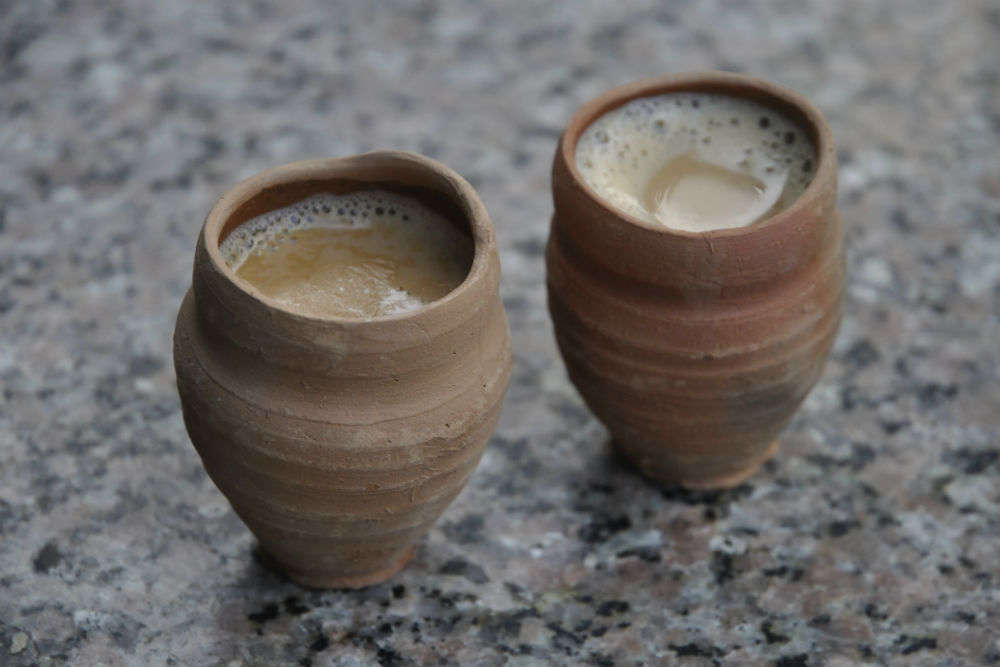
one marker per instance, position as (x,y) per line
(871,539)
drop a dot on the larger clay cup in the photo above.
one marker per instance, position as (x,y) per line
(337,441)
(695,349)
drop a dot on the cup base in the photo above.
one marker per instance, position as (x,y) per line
(732,479)
(326,580)
(704,483)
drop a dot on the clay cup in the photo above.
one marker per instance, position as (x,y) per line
(339,442)
(695,349)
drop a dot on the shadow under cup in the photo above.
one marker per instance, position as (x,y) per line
(695,348)
(340,441)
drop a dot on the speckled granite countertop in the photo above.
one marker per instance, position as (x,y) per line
(872,539)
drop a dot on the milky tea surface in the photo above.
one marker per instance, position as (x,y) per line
(696,161)
(360,255)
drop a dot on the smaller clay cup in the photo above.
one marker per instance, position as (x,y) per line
(695,349)
(339,442)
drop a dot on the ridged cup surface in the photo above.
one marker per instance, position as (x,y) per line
(695,349)
(339,442)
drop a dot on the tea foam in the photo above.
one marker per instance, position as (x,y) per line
(364,254)
(625,150)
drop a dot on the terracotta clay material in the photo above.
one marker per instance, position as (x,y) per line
(695,349)
(337,441)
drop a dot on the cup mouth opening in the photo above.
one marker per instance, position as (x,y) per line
(435,185)
(782,100)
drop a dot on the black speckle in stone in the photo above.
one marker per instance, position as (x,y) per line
(294,607)
(600,487)
(792,573)
(398,591)
(933,394)
(893,427)
(463,568)
(789,138)
(601,660)
(379,210)
(771,636)
(268,612)
(47,558)
(764,122)
(722,567)
(901,220)
(647,554)
(306,33)
(841,528)
(861,456)
(603,527)
(608,38)
(799,660)
(144,366)
(406,217)
(387,657)
(506,624)
(530,247)
(820,620)
(467,530)
(913,644)
(612,607)
(319,644)
(862,354)
(695,103)
(972,461)
(695,650)
(965,617)
(850,398)
(572,413)
(340,211)
(211,146)
(872,612)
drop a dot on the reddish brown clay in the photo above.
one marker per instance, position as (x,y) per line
(695,349)
(337,441)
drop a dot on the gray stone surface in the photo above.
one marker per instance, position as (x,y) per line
(872,539)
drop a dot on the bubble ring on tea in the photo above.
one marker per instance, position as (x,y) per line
(340,430)
(695,268)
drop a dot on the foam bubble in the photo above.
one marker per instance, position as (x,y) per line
(622,152)
(356,210)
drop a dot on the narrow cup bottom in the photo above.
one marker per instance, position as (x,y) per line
(696,482)
(314,579)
